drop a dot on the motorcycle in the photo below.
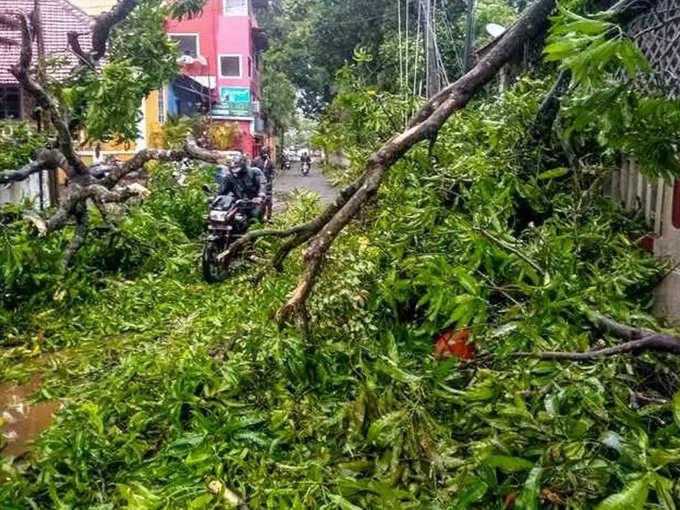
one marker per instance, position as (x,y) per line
(305,167)
(285,164)
(227,222)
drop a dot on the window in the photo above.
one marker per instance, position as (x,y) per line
(236,7)
(230,66)
(161,106)
(187,44)
(10,103)
(250,67)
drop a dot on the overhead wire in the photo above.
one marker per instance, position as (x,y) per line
(401,62)
(415,65)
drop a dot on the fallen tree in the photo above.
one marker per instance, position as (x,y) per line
(425,124)
(99,184)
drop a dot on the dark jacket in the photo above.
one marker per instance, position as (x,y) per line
(266,165)
(249,184)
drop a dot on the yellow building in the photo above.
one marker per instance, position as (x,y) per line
(155,112)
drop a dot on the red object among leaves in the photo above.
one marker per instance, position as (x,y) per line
(510,500)
(454,343)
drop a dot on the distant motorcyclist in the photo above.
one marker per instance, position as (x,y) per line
(266,166)
(305,163)
(244,182)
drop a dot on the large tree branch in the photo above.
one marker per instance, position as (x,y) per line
(82,225)
(656,343)
(21,72)
(550,107)
(105,23)
(189,151)
(80,194)
(47,160)
(425,124)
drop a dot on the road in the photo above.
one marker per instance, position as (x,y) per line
(288,181)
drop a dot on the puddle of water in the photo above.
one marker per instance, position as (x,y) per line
(22,423)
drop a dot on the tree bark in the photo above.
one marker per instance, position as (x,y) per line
(639,340)
(425,124)
(97,183)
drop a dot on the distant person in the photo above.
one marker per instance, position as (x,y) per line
(266,165)
(305,163)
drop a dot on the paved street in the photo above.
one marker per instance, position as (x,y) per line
(291,180)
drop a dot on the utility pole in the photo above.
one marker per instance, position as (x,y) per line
(471,9)
(432,84)
(42,118)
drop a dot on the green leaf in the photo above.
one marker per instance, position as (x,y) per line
(343,504)
(383,429)
(528,498)
(473,492)
(553,174)
(676,408)
(632,497)
(664,492)
(508,464)
(389,368)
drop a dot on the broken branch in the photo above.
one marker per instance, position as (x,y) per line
(640,340)
(426,123)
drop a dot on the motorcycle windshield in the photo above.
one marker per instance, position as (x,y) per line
(223,202)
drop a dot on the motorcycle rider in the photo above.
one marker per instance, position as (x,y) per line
(266,166)
(244,182)
(305,160)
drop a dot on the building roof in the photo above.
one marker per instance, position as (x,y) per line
(59,18)
(93,7)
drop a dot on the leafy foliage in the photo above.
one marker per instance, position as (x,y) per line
(606,106)
(186,396)
(18,143)
(148,237)
(187,387)
(105,103)
(174,132)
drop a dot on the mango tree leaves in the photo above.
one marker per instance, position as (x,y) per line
(528,498)
(676,408)
(632,497)
(508,464)
(473,492)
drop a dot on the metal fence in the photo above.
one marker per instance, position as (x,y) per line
(656,32)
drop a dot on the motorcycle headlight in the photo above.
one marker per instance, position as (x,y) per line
(220,216)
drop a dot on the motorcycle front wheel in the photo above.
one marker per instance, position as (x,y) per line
(214,271)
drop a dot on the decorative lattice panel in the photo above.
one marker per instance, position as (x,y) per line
(657,34)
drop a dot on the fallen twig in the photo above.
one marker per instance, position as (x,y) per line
(640,340)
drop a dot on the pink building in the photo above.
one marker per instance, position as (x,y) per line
(220,49)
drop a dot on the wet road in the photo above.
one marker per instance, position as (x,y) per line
(290,180)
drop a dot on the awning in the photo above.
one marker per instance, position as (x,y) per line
(188,84)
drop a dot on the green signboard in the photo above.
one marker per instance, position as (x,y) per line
(234,102)
(232,109)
